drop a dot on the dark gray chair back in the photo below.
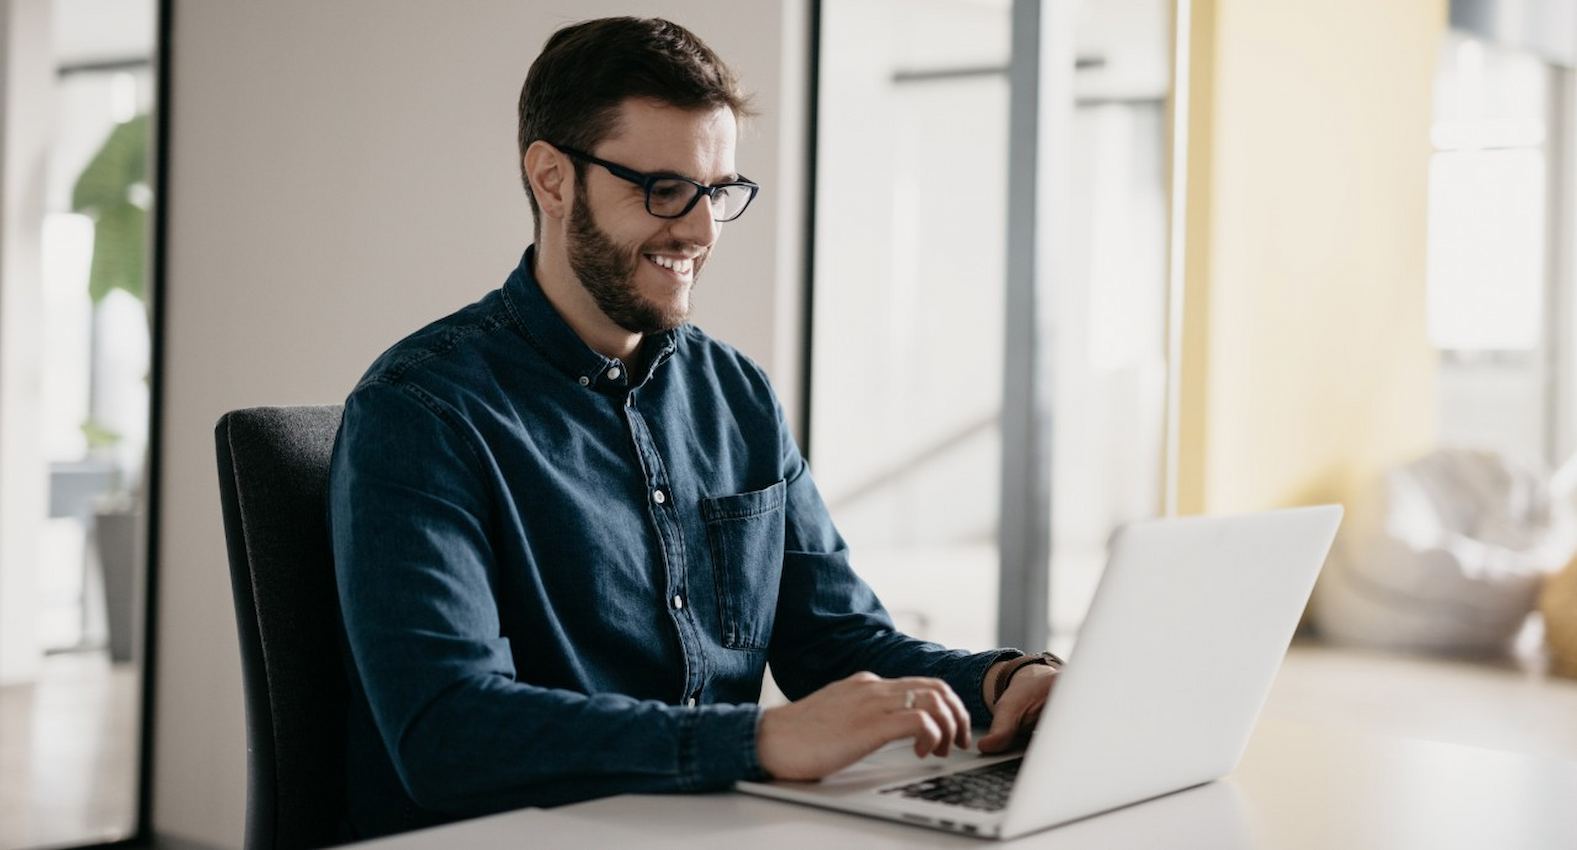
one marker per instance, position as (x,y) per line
(273,487)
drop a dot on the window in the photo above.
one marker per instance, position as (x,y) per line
(75,330)
(911,283)
(1493,290)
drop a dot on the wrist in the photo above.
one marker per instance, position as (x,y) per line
(1004,671)
(988,682)
(765,757)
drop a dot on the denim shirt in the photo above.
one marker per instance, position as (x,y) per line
(561,580)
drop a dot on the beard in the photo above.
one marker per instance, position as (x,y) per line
(607,270)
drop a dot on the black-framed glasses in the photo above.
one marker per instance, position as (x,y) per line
(673,196)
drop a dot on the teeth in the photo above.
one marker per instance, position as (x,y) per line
(678,264)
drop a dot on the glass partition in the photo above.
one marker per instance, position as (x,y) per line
(911,204)
(75,342)
(910,285)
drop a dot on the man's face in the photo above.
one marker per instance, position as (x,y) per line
(639,268)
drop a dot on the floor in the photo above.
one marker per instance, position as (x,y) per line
(1503,704)
(68,753)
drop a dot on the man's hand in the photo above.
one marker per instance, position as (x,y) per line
(852,718)
(1019,708)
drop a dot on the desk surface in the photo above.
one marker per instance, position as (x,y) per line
(1298,787)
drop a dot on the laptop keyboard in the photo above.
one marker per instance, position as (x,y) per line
(984,788)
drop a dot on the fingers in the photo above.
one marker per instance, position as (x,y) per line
(1018,711)
(1012,715)
(935,706)
(1000,736)
(920,725)
(895,704)
(842,722)
(956,703)
(993,740)
(938,700)
(930,738)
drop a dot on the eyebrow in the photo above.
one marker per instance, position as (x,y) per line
(731,177)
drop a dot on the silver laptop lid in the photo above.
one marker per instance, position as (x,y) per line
(1174,662)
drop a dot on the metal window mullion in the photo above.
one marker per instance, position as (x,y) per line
(1560,315)
(1040,78)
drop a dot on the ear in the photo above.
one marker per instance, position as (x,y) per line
(552,178)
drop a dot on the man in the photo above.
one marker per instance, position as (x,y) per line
(571,530)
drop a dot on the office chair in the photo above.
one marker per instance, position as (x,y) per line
(273,488)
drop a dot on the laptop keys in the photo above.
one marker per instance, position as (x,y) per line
(984,788)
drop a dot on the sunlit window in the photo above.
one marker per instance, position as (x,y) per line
(1487,201)
(1490,277)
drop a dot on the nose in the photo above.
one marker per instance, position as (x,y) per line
(697,225)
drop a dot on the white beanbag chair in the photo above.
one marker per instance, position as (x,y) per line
(1447,554)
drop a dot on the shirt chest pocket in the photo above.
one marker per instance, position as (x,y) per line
(745,534)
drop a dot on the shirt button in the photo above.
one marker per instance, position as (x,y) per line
(678,602)
(585,381)
(613,374)
(659,497)
(691,702)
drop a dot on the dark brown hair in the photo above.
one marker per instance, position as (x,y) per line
(573,90)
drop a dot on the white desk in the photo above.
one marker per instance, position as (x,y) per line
(1298,787)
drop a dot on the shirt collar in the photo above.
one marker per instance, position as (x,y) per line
(547,331)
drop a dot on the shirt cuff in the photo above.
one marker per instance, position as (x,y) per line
(968,679)
(717,746)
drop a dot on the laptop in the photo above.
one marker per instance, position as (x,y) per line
(1160,693)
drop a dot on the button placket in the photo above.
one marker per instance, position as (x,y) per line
(672,543)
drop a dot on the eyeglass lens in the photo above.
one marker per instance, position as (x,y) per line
(669,198)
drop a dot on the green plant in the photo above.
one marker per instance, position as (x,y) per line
(112,189)
(98,436)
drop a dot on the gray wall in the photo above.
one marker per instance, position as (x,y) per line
(341,173)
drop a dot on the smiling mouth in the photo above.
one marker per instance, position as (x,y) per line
(679,267)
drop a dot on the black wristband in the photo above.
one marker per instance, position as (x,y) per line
(1006,676)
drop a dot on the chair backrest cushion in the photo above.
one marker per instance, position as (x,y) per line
(273,471)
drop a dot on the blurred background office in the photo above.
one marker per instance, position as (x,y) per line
(1022,271)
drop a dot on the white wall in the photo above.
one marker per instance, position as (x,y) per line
(26,74)
(341,173)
